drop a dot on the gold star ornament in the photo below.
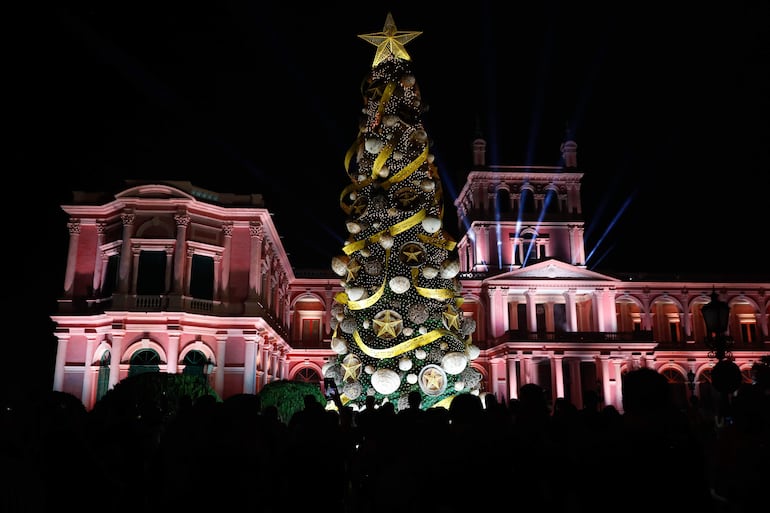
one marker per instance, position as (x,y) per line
(390,42)
(388,324)
(352,367)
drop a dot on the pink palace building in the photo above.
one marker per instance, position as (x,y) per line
(174,278)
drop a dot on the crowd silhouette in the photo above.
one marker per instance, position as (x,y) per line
(474,455)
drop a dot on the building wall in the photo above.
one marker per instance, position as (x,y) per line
(551,321)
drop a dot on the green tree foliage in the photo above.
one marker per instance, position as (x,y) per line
(157,391)
(288,396)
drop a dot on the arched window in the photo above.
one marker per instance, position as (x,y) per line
(503,201)
(103,379)
(144,360)
(195,363)
(527,201)
(307,375)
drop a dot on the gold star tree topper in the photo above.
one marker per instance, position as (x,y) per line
(389,42)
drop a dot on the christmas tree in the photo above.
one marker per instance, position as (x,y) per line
(398,326)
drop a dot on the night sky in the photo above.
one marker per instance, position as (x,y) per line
(669,107)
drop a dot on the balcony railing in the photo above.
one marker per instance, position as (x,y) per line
(576,336)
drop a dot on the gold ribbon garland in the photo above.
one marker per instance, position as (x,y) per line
(403,347)
(407,170)
(381,159)
(394,230)
(343,298)
(439,294)
(448,245)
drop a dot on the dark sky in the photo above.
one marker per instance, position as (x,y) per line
(668,104)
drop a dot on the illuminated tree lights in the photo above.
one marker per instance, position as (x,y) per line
(398,325)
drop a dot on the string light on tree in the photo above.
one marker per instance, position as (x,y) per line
(400,315)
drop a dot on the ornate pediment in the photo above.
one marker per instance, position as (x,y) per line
(553,270)
(156,190)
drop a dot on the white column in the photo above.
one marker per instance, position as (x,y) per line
(125,252)
(172,365)
(167,277)
(255,268)
(606,388)
(531,310)
(188,270)
(569,297)
(217,275)
(497,314)
(86,392)
(219,376)
(72,257)
(61,360)
(98,279)
(513,380)
(618,402)
(600,314)
(494,365)
(558,375)
(227,230)
(116,351)
(182,221)
(250,365)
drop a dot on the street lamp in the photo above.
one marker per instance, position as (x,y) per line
(716,314)
(726,375)
(691,382)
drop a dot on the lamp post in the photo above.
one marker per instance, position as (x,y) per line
(726,375)
(691,382)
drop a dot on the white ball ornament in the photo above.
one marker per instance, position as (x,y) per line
(420,354)
(385,381)
(407,331)
(386,241)
(404,364)
(399,284)
(353,227)
(373,145)
(369,369)
(472,351)
(454,362)
(326,367)
(411,378)
(427,185)
(355,293)
(429,272)
(431,224)
(340,265)
(339,345)
(449,269)
(352,390)
(348,326)
(459,385)
(423,330)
